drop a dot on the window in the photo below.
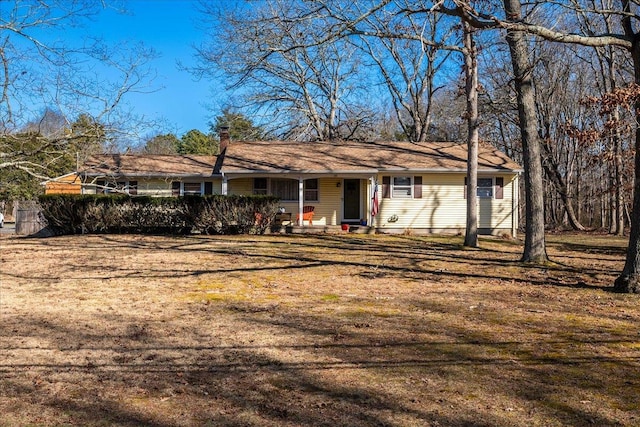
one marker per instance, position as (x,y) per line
(105,187)
(285,189)
(132,188)
(208,188)
(311,190)
(260,186)
(192,189)
(485,188)
(100,184)
(401,188)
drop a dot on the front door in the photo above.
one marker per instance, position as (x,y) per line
(351,200)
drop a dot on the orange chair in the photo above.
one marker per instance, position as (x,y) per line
(307,215)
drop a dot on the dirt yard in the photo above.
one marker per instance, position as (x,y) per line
(326,330)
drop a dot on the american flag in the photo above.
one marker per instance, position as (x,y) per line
(374,205)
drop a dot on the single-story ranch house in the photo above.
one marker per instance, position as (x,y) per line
(390,186)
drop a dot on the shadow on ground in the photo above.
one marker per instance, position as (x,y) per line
(315,331)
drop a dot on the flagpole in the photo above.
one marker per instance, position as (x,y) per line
(374,201)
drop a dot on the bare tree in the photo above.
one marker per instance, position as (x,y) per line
(628,38)
(272,50)
(39,70)
(534,243)
(163,144)
(412,39)
(575,156)
(473,136)
(410,53)
(609,66)
(447,121)
(560,85)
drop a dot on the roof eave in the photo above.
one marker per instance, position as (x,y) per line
(150,175)
(301,171)
(366,171)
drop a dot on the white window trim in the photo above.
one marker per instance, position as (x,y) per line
(493,187)
(393,187)
(266,189)
(201,188)
(317,191)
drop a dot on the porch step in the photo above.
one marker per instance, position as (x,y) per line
(296,229)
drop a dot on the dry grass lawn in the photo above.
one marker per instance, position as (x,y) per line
(322,330)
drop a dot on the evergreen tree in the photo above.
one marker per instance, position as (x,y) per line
(241,128)
(196,142)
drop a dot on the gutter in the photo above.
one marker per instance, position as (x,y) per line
(366,171)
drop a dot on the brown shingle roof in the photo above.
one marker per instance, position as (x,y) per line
(358,157)
(309,157)
(149,165)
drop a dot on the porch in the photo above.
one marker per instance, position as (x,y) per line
(333,200)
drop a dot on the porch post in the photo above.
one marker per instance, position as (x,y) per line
(370,191)
(225,187)
(301,200)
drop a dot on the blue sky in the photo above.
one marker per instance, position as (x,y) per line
(171,28)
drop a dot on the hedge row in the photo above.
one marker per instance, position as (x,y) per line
(75,214)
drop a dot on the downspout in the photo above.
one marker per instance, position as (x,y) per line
(225,140)
(225,187)
(301,201)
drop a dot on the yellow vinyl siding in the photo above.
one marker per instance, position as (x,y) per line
(327,208)
(156,188)
(217,186)
(240,186)
(496,213)
(443,206)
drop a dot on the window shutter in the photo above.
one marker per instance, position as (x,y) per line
(417,187)
(386,187)
(465,187)
(208,188)
(175,188)
(133,188)
(499,187)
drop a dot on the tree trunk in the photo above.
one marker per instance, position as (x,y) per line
(471,90)
(534,243)
(579,202)
(560,184)
(629,279)
(612,214)
(618,206)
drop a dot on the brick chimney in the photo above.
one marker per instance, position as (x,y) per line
(225,138)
